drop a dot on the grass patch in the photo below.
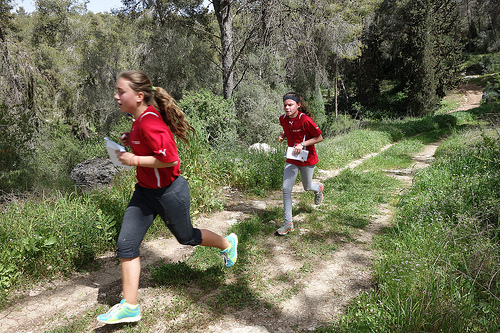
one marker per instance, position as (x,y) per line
(340,150)
(253,284)
(439,266)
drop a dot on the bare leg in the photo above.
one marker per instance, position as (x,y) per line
(131,268)
(211,239)
(131,271)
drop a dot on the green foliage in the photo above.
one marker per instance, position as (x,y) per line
(199,165)
(492,90)
(50,236)
(58,152)
(317,106)
(340,150)
(14,136)
(440,123)
(481,64)
(179,60)
(445,121)
(6,17)
(440,263)
(213,117)
(113,200)
(339,125)
(104,53)
(412,44)
(256,171)
(258,107)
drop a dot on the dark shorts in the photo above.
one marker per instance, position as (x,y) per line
(172,203)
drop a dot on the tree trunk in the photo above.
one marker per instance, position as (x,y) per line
(222,10)
(15,95)
(336,87)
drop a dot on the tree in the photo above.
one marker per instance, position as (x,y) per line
(480,24)
(190,14)
(18,118)
(223,13)
(413,46)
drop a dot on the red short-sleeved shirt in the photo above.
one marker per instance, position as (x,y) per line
(297,130)
(150,136)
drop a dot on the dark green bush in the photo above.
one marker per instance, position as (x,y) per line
(445,121)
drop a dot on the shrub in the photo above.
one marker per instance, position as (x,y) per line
(258,108)
(445,121)
(212,116)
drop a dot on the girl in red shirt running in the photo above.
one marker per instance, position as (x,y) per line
(301,133)
(160,189)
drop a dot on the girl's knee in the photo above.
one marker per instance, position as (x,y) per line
(127,249)
(187,239)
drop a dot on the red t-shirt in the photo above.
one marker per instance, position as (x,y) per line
(150,136)
(297,130)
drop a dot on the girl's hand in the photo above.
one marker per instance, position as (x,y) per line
(281,138)
(124,138)
(297,149)
(126,158)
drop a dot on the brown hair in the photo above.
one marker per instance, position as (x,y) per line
(171,114)
(303,107)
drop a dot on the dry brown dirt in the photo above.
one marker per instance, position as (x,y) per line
(327,291)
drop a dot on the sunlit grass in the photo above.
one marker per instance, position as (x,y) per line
(439,266)
(338,151)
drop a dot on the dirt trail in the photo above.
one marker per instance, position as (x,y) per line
(469,96)
(338,280)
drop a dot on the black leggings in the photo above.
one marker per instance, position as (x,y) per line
(172,203)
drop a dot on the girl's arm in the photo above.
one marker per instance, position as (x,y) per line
(144,161)
(307,143)
(312,141)
(281,137)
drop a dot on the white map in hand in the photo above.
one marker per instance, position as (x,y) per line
(302,156)
(111,147)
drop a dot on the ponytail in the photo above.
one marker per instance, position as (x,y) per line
(172,115)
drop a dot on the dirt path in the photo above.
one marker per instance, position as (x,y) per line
(468,95)
(338,280)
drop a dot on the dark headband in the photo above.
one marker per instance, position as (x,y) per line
(292,97)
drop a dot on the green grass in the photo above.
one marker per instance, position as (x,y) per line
(437,269)
(51,236)
(399,155)
(338,151)
(252,284)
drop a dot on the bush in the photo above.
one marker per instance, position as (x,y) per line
(16,140)
(492,91)
(258,108)
(445,121)
(342,124)
(256,172)
(212,116)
